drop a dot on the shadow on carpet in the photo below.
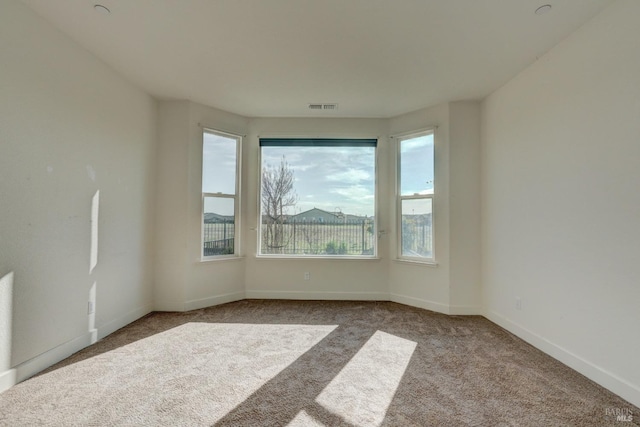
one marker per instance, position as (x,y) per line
(311,363)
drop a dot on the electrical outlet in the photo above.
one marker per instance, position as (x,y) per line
(91,308)
(518,303)
(307,275)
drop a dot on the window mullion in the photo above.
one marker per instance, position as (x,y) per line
(416,196)
(229,196)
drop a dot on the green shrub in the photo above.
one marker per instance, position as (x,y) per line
(334,249)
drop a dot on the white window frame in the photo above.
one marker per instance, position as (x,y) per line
(376,216)
(400,198)
(235,197)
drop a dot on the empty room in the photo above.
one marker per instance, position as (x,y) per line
(319,213)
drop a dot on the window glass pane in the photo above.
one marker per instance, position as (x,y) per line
(416,165)
(318,200)
(219,164)
(417,236)
(219,226)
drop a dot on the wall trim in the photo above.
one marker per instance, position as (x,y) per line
(606,379)
(214,300)
(421,303)
(27,369)
(122,321)
(7,379)
(465,310)
(322,295)
(37,364)
(168,306)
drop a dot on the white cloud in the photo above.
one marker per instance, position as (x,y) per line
(415,143)
(330,177)
(355,192)
(350,176)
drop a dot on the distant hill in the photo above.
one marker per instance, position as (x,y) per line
(214,218)
(312,215)
(320,215)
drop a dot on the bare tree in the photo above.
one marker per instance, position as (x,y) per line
(278,195)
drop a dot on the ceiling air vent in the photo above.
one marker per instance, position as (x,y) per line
(323,107)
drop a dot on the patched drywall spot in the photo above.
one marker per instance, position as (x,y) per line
(49,169)
(91,172)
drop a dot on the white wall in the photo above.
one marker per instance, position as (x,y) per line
(418,284)
(560,205)
(453,285)
(212,282)
(464,207)
(172,243)
(183,281)
(329,278)
(559,172)
(69,127)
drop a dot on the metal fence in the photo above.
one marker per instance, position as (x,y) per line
(218,238)
(306,237)
(312,237)
(417,238)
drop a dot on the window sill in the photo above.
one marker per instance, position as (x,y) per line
(431,264)
(220,259)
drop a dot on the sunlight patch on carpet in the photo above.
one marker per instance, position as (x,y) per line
(196,371)
(362,392)
(303,419)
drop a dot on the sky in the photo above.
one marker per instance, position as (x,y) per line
(219,172)
(416,173)
(416,165)
(335,179)
(329,178)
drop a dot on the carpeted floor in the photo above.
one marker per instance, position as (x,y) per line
(311,363)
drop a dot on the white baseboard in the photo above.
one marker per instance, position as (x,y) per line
(27,369)
(612,382)
(304,295)
(122,321)
(465,310)
(7,379)
(168,306)
(454,310)
(215,300)
(421,303)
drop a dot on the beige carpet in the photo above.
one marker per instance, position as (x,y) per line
(254,363)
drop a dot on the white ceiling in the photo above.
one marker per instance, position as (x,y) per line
(266,58)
